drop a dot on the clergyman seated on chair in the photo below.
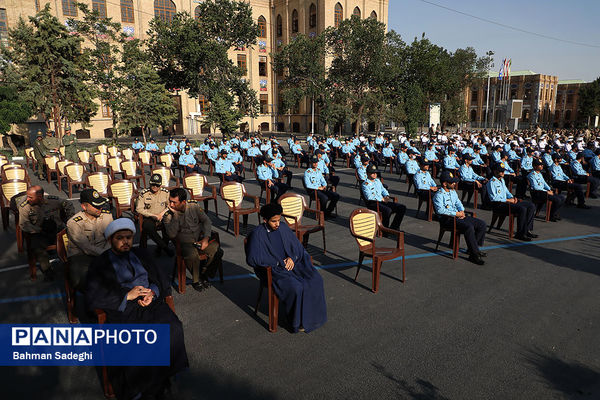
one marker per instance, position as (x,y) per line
(295,280)
(374,193)
(447,206)
(126,284)
(152,204)
(85,231)
(187,222)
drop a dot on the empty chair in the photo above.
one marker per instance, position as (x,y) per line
(51,166)
(14,172)
(145,158)
(103,149)
(114,164)
(113,151)
(131,172)
(30,157)
(101,162)
(128,154)
(60,166)
(85,158)
(167,177)
(196,184)
(294,205)
(123,192)
(233,193)
(75,176)
(98,181)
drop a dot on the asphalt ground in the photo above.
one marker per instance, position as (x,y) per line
(523,326)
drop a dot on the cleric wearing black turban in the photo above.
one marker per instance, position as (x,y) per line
(295,281)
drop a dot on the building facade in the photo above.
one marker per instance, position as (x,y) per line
(279,21)
(567,105)
(538,92)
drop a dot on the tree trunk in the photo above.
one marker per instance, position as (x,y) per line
(11,145)
(144,134)
(359,119)
(326,128)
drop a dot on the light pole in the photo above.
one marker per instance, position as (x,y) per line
(490,54)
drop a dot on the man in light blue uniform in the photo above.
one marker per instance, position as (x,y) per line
(314,180)
(540,190)
(469,180)
(595,163)
(268,179)
(450,162)
(561,181)
(236,158)
(411,166)
(171,148)
(376,194)
(333,180)
(526,168)
(361,171)
(137,145)
(424,182)
(401,159)
(152,147)
(254,151)
(501,198)
(225,168)
(583,177)
(299,152)
(448,208)
(280,169)
(188,161)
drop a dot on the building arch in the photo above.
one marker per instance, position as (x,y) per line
(373,14)
(356,12)
(312,15)
(338,15)
(295,21)
(165,10)
(262,27)
(279,25)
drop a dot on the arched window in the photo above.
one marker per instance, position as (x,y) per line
(165,10)
(69,8)
(338,15)
(294,21)
(262,27)
(473,115)
(373,14)
(568,115)
(279,25)
(312,16)
(356,12)
(100,6)
(37,5)
(3,27)
(127,11)
(197,12)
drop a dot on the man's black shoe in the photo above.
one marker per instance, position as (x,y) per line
(476,259)
(198,286)
(523,238)
(532,235)
(583,206)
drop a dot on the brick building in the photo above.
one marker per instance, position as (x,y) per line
(279,22)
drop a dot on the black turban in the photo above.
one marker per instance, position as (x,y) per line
(270,210)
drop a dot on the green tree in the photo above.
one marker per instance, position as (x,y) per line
(359,62)
(589,99)
(192,54)
(52,70)
(13,110)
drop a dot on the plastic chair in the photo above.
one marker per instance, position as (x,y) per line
(98,181)
(123,192)
(196,183)
(233,193)
(167,176)
(8,190)
(75,176)
(51,166)
(180,263)
(130,172)
(294,206)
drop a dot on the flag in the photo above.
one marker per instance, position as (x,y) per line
(500,74)
(509,65)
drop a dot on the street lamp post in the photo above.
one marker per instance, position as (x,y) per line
(490,54)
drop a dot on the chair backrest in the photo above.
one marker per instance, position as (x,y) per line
(102,149)
(233,192)
(62,242)
(14,173)
(166,160)
(60,165)
(363,222)
(84,156)
(113,151)
(115,164)
(127,154)
(11,188)
(7,165)
(101,159)
(195,183)
(74,171)
(129,167)
(51,161)
(165,173)
(98,181)
(61,150)
(29,152)
(122,190)
(293,204)
(3,162)
(145,156)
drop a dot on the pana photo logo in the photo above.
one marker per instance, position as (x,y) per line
(106,344)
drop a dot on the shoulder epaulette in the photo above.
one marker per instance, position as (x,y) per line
(52,197)
(106,211)
(164,190)
(23,203)
(78,218)
(192,201)
(144,191)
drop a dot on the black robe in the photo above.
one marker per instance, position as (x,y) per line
(301,289)
(103,291)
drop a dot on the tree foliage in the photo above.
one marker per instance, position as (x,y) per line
(589,99)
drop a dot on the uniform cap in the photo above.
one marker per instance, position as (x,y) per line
(186,148)
(364,158)
(224,151)
(468,157)
(499,167)
(537,162)
(448,176)
(371,169)
(92,197)
(314,159)
(156,179)
(117,225)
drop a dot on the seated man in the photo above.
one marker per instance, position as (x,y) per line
(85,231)
(501,198)
(469,180)
(450,161)
(314,180)
(595,163)
(152,147)
(41,218)
(332,179)
(582,177)
(187,222)
(297,150)
(225,168)
(295,280)
(424,182)
(280,169)
(540,190)
(152,204)
(374,193)
(267,178)
(447,206)
(561,181)
(236,159)
(126,284)
(188,162)
(137,145)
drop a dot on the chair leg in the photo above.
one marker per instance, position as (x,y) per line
(376,271)
(108,390)
(228,220)
(429,211)
(361,257)
(440,236)
(216,209)
(324,245)
(511,224)
(181,273)
(403,268)
(260,291)
(455,245)
(548,210)
(5,218)
(236,224)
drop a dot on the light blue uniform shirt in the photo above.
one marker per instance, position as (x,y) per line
(477,159)
(313,179)
(447,203)
(254,151)
(170,148)
(137,146)
(527,163)
(264,172)
(388,152)
(577,169)
(496,156)
(537,182)
(151,147)
(187,159)
(336,143)
(362,172)
(595,163)
(497,190)
(468,175)
(347,149)
(483,150)
(451,163)
(379,140)
(512,155)
(223,166)
(277,163)
(235,157)
(213,154)
(322,167)
(557,173)
(467,150)
(412,166)
(244,145)
(430,155)
(296,149)
(357,162)
(402,157)
(423,180)
(547,158)
(374,190)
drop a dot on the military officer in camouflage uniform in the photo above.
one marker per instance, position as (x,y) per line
(70,142)
(152,204)
(51,143)
(40,217)
(86,235)
(187,222)
(39,152)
